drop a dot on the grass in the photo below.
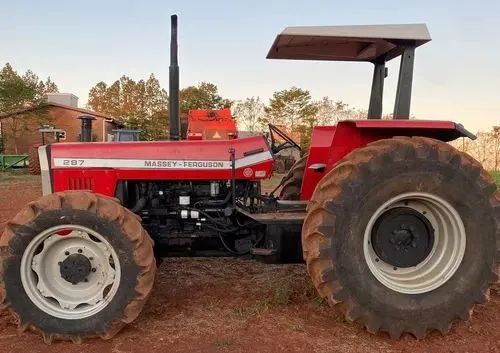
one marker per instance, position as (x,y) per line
(496,176)
(282,291)
(247,311)
(17,174)
(222,344)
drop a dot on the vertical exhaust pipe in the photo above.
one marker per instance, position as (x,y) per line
(86,128)
(173,99)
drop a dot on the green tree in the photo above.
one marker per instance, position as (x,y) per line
(293,110)
(250,114)
(204,96)
(139,105)
(17,93)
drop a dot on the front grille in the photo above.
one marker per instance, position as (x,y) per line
(81,183)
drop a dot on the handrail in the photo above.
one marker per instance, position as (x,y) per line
(12,160)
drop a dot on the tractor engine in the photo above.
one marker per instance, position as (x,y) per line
(193,217)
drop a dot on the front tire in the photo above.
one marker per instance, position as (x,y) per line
(75,265)
(384,213)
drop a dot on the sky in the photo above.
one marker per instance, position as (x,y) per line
(81,42)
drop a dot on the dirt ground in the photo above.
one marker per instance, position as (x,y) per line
(238,305)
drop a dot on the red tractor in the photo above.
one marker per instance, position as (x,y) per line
(397,228)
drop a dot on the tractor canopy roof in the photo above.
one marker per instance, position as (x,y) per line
(348,43)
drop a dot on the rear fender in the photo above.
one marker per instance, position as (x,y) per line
(329,144)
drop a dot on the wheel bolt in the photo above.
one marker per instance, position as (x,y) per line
(93,269)
(66,253)
(59,263)
(86,280)
(394,268)
(80,251)
(91,258)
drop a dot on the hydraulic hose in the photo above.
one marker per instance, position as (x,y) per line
(216,202)
(140,204)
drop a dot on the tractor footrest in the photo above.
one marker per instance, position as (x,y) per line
(263,252)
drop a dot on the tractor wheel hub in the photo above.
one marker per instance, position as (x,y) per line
(75,268)
(402,237)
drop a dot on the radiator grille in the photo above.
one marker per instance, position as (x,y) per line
(81,183)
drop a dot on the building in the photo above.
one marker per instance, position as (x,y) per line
(60,112)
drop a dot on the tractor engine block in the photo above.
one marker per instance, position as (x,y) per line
(193,217)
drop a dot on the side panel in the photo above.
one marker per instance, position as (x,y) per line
(350,135)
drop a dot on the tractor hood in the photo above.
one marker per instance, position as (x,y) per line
(98,166)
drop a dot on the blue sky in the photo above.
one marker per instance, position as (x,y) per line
(81,42)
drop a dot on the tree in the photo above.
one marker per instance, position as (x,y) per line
(485,148)
(139,105)
(330,112)
(293,110)
(250,114)
(290,108)
(204,96)
(17,93)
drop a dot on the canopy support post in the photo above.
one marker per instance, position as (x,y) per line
(377,92)
(403,92)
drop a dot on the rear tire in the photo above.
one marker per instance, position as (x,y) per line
(47,246)
(344,207)
(292,182)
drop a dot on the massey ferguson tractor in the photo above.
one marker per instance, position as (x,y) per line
(398,229)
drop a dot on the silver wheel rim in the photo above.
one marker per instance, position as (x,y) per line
(444,258)
(50,292)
